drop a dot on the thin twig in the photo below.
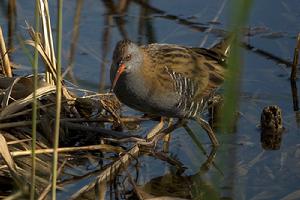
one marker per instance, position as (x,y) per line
(213,20)
(18,141)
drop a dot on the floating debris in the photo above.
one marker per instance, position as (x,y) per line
(271,127)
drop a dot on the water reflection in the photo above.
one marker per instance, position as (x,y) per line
(176,184)
(106,40)
(11,14)
(271,140)
(75,34)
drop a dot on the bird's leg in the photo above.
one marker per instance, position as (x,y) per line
(215,104)
(167,137)
(205,125)
(159,134)
(209,161)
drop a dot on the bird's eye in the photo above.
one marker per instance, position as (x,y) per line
(128,57)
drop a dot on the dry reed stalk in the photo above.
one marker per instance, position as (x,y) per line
(48,39)
(13,169)
(100,147)
(18,141)
(51,75)
(24,112)
(6,97)
(6,68)
(21,103)
(46,59)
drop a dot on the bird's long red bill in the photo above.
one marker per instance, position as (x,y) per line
(117,76)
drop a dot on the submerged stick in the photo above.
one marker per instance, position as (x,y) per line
(75,35)
(266,54)
(295,95)
(48,188)
(102,131)
(16,124)
(109,172)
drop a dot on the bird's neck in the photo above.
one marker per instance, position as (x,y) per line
(136,82)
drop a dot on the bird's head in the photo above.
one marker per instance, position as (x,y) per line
(127,58)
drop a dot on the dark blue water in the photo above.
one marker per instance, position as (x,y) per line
(247,170)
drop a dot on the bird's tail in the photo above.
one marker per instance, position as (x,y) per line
(222,48)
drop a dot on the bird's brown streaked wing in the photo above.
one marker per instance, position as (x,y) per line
(197,67)
(213,66)
(171,62)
